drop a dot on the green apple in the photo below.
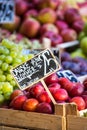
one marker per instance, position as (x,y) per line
(81,36)
(79,53)
(85,28)
(83,45)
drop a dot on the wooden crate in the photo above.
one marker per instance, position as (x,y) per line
(73,119)
(22,120)
(76,123)
(10,128)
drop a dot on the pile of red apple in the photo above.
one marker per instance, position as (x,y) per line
(37,19)
(36,99)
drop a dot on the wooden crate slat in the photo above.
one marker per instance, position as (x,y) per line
(76,123)
(24,119)
(10,128)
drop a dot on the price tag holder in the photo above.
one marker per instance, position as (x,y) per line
(35,70)
(68,74)
(7,8)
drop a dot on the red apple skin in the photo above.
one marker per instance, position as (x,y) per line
(30,27)
(16,93)
(21,7)
(61,25)
(65,83)
(31,13)
(60,95)
(79,101)
(17,102)
(44,108)
(41,4)
(53,87)
(30,105)
(78,26)
(56,40)
(85,83)
(44,97)
(36,90)
(77,89)
(47,34)
(71,15)
(53,78)
(47,15)
(85,92)
(69,34)
(85,99)
(48,27)
(13,26)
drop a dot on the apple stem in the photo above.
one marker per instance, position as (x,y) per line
(46,88)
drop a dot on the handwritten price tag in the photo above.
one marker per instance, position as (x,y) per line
(35,69)
(6,11)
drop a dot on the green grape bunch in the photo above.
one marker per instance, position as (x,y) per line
(11,55)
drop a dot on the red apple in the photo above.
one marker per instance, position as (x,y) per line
(53,87)
(56,40)
(53,78)
(12,26)
(78,26)
(79,102)
(47,15)
(77,89)
(44,97)
(85,99)
(48,27)
(21,7)
(47,34)
(30,27)
(17,102)
(69,34)
(30,13)
(60,95)
(85,83)
(65,83)
(61,25)
(71,15)
(44,108)
(85,92)
(16,93)
(30,104)
(36,89)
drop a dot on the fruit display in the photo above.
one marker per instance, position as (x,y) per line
(10,56)
(36,98)
(37,20)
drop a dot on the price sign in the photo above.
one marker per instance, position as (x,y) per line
(55,51)
(34,70)
(6,11)
(68,74)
